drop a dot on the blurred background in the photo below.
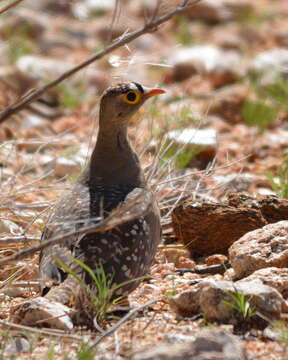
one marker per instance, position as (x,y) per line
(221,126)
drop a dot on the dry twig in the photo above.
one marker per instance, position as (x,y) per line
(54,332)
(10,6)
(151,26)
(113,328)
(17,240)
(23,284)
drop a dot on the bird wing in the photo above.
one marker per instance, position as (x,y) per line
(73,212)
(145,202)
(69,214)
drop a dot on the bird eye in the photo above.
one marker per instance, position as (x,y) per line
(132,97)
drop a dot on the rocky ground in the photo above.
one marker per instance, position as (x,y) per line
(220,138)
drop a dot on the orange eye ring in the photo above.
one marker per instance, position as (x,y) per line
(132,97)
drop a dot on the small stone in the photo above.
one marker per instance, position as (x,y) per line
(42,67)
(271,276)
(33,121)
(270,64)
(9,227)
(185,262)
(229,102)
(212,298)
(61,165)
(264,191)
(39,67)
(86,8)
(14,291)
(207,344)
(149,289)
(261,248)
(282,38)
(172,254)
(187,303)
(24,21)
(16,346)
(51,6)
(229,275)
(215,296)
(163,269)
(64,167)
(199,137)
(220,66)
(214,12)
(182,70)
(43,312)
(252,35)
(209,11)
(199,146)
(21,82)
(177,338)
(218,344)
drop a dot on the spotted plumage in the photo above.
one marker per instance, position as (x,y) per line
(112,178)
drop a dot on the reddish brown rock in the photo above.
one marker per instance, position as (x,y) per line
(211,228)
(273,208)
(183,71)
(221,77)
(262,248)
(209,11)
(214,12)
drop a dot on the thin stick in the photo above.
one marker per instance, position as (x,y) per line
(197,172)
(24,284)
(116,14)
(127,38)
(17,239)
(57,333)
(10,6)
(113,328)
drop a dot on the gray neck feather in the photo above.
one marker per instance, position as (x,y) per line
(114,161)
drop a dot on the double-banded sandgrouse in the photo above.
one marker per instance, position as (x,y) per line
(112,178)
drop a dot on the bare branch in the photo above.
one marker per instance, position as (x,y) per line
(149,27)
(45,331)
(10,6)
(113,328)
(22,284)
(115,17)
(156,11)
(17,240)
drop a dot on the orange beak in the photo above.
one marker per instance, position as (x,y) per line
(152,92)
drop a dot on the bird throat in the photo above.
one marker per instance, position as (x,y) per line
(114,160)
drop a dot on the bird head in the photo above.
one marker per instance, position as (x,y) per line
(120,102)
